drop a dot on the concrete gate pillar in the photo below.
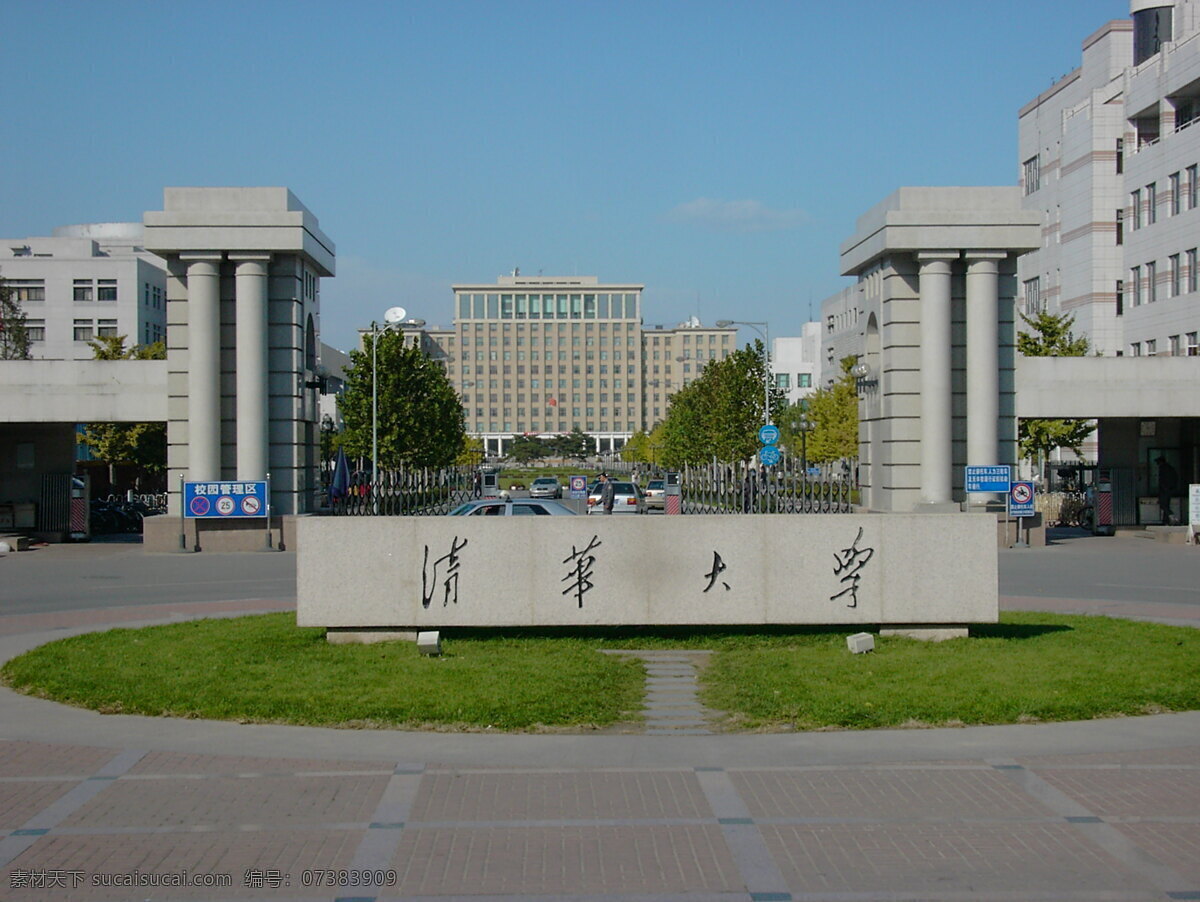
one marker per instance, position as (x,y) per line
(936,384)
(204,364)
(983,359)
(252,412)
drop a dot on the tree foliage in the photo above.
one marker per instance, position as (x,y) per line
(472,452)
(141,444)
(637,448)
(833,415)
(14,336)
(575,444)
(420,416)
(719,414)
(1050,335)
(525,448)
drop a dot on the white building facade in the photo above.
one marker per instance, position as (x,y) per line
(796,363)
(84,282)
(1110,156)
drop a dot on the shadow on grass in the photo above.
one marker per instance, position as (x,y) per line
(618,636)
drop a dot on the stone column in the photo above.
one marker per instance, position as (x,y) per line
(936,385)
(204,364)
(983,358)
(252,409)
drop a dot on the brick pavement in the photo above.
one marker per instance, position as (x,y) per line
(659,818)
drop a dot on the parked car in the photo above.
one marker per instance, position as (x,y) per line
(545,487)
(512,507)
(654,495)
(627,499)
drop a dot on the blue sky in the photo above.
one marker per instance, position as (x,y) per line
(716,152)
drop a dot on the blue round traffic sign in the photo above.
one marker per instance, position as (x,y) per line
(768,434)
(769,455)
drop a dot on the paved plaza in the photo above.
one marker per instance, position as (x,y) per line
(111,807)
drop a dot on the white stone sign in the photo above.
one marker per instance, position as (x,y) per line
(434,572)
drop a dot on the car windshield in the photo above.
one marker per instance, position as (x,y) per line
(654,484)
(545,480)
(624,488)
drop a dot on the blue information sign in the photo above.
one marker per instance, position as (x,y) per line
(578,487)
(224,500)
(769,455)
(768,434)
(1020,500)
(989,479)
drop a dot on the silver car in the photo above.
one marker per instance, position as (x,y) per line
(545,487)
(654,495)
(627,499)
(512,507)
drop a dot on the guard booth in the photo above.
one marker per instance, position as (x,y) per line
(491,484)
(672,493)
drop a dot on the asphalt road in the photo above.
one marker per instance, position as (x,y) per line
(1123,568)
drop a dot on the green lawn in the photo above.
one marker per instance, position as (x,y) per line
(1031,667)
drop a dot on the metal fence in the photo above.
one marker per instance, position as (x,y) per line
(785,488)
(416,492)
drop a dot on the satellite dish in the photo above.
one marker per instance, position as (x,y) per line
(394,315)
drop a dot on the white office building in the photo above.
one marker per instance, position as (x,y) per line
(83,282)
(796,363)
(1109,155)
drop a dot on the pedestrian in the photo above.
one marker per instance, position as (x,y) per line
(607,493)
(477,487)
(1168,484)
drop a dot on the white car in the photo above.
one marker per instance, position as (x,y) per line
(627,499)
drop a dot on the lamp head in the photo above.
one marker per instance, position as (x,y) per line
(860,371)
(724,323)
(394,315)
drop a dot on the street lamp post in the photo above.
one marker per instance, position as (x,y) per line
(392,317)
(765,332)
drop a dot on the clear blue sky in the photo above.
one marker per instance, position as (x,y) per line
(716,152)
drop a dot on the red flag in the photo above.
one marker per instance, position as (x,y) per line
(553,402)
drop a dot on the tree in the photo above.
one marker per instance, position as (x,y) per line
(637,448)
(719,414)
(1051,336)
(14,336)
(472,452)
(142,444)
(526,448)
(420,418)
(576,444)
(833,413)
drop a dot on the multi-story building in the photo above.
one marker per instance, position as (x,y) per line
(673,357)
(542,355)
(1109,155)
(534,354)
(796,363)
(84,282)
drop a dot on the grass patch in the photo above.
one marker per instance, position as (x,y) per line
(264,669)
(1031,667)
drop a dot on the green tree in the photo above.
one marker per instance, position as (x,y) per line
(14,336)
(526,448)
(833,413)
(142,444)
(420,416)
(1050,335)
(719,414)
(637,448)
(472,452)
(575,444)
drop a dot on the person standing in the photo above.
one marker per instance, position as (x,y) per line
(1168,484)
(607,493)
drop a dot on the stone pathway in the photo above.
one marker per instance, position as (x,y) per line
(672,706)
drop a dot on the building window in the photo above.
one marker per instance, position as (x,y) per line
(783,381)
(1136,274)
(1191,270)
(1033,297)
(1120,155)
(1120,297)
(1135,209)
(804,380)
(1032,175)
(1176,193)
(1175,274)
(1151,203)
(1151,347)
(35,329)
(83,289)
(1193,344)
(1193,188)
(1135,349)
(83,330)
(1120,227)
(1174,349)
(1151,282)
(106,328)
(25,290)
